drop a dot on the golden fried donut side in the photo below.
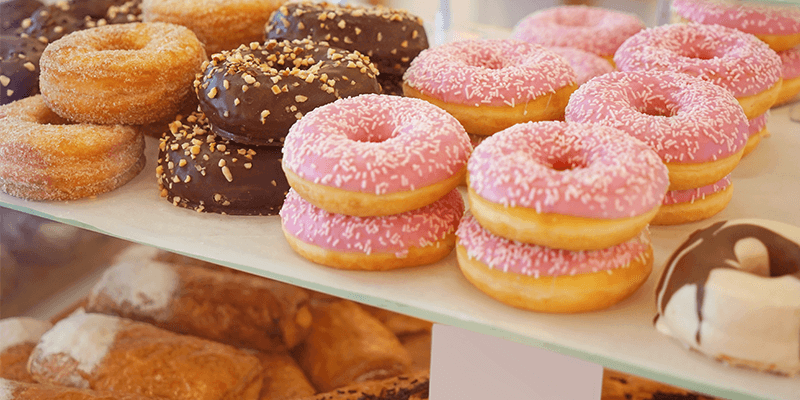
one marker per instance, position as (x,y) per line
(219,24)
(130,74)
(44,157)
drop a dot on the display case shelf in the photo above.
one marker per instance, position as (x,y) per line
(766,185)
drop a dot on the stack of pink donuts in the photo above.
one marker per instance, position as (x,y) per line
(559,215)
(374,182)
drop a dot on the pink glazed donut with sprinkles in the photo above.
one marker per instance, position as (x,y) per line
(790,71)
(757,129)
(683,206)
(412,238)
(549,280)
(697,128)
(596,30)
(585,64)
(735,60)
(374,155)
(489,85)
(564,185)
(778,26)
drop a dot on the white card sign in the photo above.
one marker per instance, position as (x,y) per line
(466,365)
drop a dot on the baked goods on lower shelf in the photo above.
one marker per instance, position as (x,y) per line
(14,390)
(348,345)
(19,336)
(237,309)
(403,387)
(102,352)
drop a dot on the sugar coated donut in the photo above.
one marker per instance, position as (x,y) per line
(391,38)
(732,292)
(564,185)
(682,206)
(790,71)
(596,30)
(757,129)
(19,67)
(219,24)
(778,26)
(489,85)
(254,94)
(375,155)
(412,238)
(127,74)
(737,61)
(44,157)
(697,128)
(550,280)
(586,65)
(204,172)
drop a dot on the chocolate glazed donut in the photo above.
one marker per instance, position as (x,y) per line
(19,67)
(253,94)
(391,38)
(713,247)
(202,171)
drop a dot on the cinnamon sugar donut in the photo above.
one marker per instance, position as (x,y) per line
(776,25)
(219,24)
(120,74)
(44,157)
(735,60)
(550,280)
(565,185)
(489,85)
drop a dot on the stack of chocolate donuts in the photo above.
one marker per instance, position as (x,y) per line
(374,182)
(226,158)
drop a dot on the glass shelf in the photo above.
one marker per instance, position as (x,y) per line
(767,185)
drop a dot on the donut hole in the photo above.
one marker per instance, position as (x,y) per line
(698,53)
(656,107)
(125,42)
(378,134)
(566,163)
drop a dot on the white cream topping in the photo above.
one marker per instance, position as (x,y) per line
(14,331)
(147,285)
(86,338)
(6,389)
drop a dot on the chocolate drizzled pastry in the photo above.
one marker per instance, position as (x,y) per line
(205,172)
(19,67)
(14,11)
(255,93)
(391,38)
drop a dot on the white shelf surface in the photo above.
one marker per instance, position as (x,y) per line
(766,184)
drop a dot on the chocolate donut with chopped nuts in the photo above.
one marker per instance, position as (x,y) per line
(19,67)
(253,94)
(13,12)
(54,21)
(391,38)
(207,173)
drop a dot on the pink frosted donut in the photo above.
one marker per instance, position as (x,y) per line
(779,26)
(757,129)
(693,125)
(596,30)
(586,65)
(551,280)
(412,238)
(375,155)
(737,61)
(489,85)
(564,185)
(692,195)
(790,71)
(683,206)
